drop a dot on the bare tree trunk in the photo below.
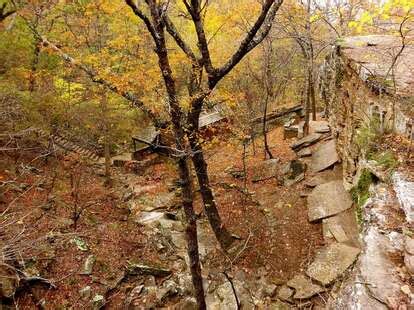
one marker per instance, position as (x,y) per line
(307,108)
(191,232)
(107,155)
(312,87)
(210,207)
(33,67)
(266,145)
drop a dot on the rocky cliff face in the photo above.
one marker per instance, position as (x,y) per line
(364,99)
(362,89)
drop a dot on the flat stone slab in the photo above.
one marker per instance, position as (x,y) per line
(319,126)
(324,156)
(331,262)
(343,227)
(306,152)
(306,141)
(304,287)
(328,199)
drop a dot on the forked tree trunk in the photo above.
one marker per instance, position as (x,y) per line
(184,171)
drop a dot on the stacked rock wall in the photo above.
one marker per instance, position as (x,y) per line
(353,101)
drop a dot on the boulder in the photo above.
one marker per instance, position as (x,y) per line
(222,298)
(328,199)
(293,172)
(266,170)
(324,156)
(285,293)
(331,262)
(304,287)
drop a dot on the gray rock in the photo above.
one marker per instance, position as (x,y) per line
(319,126)
(169,288)
(285,293)
(147,218)
(222,298)
(338,232)
(306,141)
(85,292)
(324,157)
(328,199)
(279,306)
(269,290)
(315,181)
(98,302)
(188,303)
(306,152)
(244,295)
(409,245)
(266,170)
(138,269)
(185,284)
(88,265)
(379,270)
(331,262)
(234,172)
(304,287)
(343,227)
(294,172)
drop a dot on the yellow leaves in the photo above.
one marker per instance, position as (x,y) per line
(68,90)
(314,18)
(366,18)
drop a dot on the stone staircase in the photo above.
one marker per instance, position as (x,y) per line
(68,146)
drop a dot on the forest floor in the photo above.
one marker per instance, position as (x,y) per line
(43,198)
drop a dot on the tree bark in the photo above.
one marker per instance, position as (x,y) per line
(307,108)
(191,232)
(35,61)
(266,145)
(210,207)
(104,105)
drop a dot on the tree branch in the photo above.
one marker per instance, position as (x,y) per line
(144,18)
(172,30)
(254,37)
(194,10)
